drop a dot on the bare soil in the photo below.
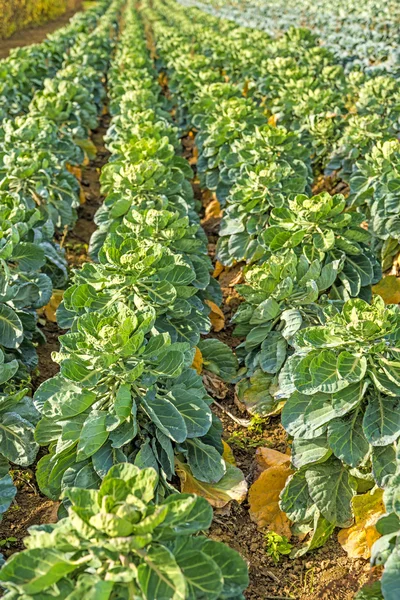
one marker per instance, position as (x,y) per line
(34,35)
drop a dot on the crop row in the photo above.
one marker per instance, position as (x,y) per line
(126,392)
(316,344)
(24,71)
(38,194)
(361,37)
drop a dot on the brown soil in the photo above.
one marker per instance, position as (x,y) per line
(34,35)
(30,506)
(77,240)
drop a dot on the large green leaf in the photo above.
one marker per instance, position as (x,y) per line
(160,577)
(332,488)
(205,461)
(203,577)
(165,416)
(17,441)
(218,358)
(11,329)
(59,398)
(93,435)
(7,493)
(195,412)
(391,576)
(37,569)
(381,421)
(347,440)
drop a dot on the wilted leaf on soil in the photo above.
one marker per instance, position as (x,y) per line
(75,170)
(389,289)
(228,454)
(215,386)
(51,308)
(217,317)
(232,486)
(266,457)
(218,268)
(82,197)
(213,210)
(265,491)
(358,539)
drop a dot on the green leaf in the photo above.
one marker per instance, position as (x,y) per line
(58,398)
(332,488)
(160,577)
(381,421)
(17,441)
(165,416)
(273,352)
(203,577)
(196,413)
(295,499)
(11,329)
(7,493)
(232,566)
(93,435)
(391,576)
(347,439)
(305,452)
(325,374)
(205,461)
(30,257)
(218,358)
(322,531)
(37,569)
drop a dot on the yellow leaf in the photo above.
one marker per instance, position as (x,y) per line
(198,361)
(213,210)
(232,486)
(266,457)
(358,539)
(389,289)
(219,267)
(264,499)
(50,309)
(217,317)
(272,120)
(82,197)
(77,171)
(228,454)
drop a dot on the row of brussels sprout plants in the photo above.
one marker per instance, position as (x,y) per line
(126,407)
(39,196)
(360,36)
(317,345)
(24,71)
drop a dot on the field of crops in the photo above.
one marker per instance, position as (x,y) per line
(199,304)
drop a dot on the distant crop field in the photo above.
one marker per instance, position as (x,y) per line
(17,14)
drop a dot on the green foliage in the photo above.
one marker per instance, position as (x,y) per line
(277,546)
(37,194)
(342,411)
(25,69)
(126,391)
(117,543)
(374,187)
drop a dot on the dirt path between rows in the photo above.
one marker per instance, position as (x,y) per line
(34,35)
